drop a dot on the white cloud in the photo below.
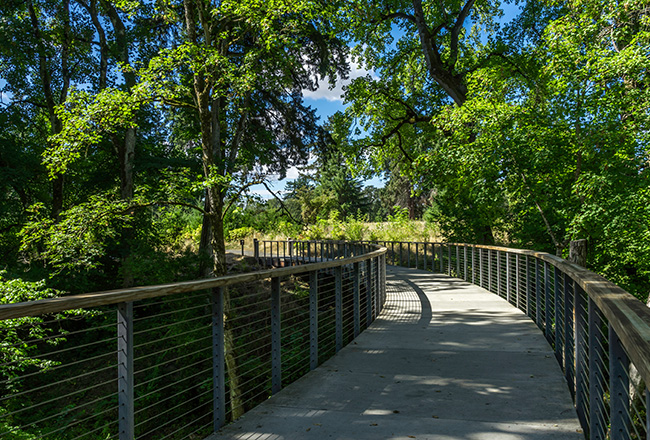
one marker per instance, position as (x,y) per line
(336,93)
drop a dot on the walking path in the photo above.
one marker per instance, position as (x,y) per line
(445,360)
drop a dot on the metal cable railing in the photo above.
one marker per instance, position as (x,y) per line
(178,361)
(600,334)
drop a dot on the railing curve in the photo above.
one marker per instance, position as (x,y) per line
(180,360)
(599,332)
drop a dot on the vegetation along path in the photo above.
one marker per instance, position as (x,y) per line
(445,360)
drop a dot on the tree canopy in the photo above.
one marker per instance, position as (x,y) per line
(524,124)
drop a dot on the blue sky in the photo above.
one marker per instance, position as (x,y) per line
(326,102)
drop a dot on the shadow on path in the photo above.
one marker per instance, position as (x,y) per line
(445,360)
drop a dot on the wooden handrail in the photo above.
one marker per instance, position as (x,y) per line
(96,299)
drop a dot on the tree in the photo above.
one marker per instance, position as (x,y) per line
(422,54)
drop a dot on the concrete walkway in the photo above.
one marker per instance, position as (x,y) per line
(445,360)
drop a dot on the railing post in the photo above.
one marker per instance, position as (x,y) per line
(580,351)
(597,429)
(619,388)
(480,266)
(313,319)
(457,261)
(558,315)
(548,326)
(465,262)
(508,292)
(383,281)
(355,293)
(448,259)
(498,273)
(528,289)
(338,306)
(518,281)
(256,250)
(276,337)
(408,250)
(424,251)
(538,297)
(400,254)
(417,256)
(125,370)
(473,264)
(568,337)
(489,270)
(218,360)
(375,296)
(368,293)
(442,267)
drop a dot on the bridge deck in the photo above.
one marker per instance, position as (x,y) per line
(445,360)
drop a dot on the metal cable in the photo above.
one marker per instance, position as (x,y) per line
(164,387)
(165,350)
(18,411)
(22,393)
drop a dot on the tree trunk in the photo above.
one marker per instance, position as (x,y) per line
(578,252)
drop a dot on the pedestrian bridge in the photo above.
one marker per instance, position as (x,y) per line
(444,360)
(338,340)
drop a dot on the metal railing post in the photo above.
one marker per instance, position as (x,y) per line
(368,292)
(508,280)
(465,262)
(597,429)
(218,360)
(408,250)
(125,381)
(538,297)
(489,258)
(383,280)
(518,281)
(548,326)
(276,337)
(424,245)
(457,261)
(448,259)
(480,266)
(498,273)
(377,286)
(417,255)
(580,352)
(473,264)
(355,293)
(256,249)
(558,315)
(528,290)
(568,337)
(313,319)
(400,253)
(338,306)
(619,388)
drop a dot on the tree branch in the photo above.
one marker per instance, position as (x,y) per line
(241,190)
(455,32)
(282,205)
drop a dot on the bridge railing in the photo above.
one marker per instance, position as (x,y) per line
(600,333)
(179,360)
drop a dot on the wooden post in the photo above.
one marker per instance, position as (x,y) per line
(578,252)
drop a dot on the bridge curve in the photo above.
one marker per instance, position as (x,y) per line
(445,359)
